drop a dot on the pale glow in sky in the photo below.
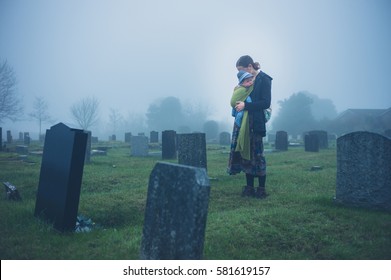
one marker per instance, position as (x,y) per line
(129,53)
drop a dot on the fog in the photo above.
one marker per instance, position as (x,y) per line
(128,54)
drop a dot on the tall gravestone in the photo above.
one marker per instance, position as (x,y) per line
(322,138)
(128,136)
(154,137)
(225,138)
(281,142)
(139,146)
(192,149)
(9,137)
(26,138)
(176,212)
(364,170)
(311,143)
(169,148)
(61,175)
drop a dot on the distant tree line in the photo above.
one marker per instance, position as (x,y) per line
(302,112)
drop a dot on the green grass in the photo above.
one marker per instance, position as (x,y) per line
(298,220)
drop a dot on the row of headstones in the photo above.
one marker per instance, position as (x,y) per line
(224,137)
(177,232)
(313,141)
(169,232)
(23,137)
(189,148)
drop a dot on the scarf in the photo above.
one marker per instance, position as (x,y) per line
(243,143)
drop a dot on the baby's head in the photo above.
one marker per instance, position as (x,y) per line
(245,78)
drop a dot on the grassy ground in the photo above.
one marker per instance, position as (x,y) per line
(298,220)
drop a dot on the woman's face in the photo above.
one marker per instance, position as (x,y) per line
(248,69)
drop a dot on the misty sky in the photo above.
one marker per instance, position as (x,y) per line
(130,53)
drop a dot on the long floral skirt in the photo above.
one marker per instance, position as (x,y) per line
(256,166)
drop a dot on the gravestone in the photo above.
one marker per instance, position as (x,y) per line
(322,137)
(61,175)
(311,143)
(364,170)
(26,138)
(9,137)
(169,148)
(225,139)
(154,137)
(94,139)
(176,212)
(281,142)
(139,146)
(192,149)
(128,136)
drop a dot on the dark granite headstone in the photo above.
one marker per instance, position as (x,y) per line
(281,142)
(26,138)
(169,148)
(192,149)
(225,139)
(139,146)
(128,136)
(9,137)
(311,143)
(364,170)
(176,212)
(94,139)
(322,137)
(154,137)
(61,176)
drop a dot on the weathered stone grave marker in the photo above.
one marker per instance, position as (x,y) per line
(364,170)
(281,142)
(176,212)
(192,149)
(225,138)
(169,148)
(139,146)
(61,175)
(154,137)
(311,143)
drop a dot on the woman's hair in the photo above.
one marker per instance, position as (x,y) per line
(245,60)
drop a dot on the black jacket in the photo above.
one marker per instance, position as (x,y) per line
(260,100)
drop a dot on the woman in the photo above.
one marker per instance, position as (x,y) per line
(254,165)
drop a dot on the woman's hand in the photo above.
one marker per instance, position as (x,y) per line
(239,106)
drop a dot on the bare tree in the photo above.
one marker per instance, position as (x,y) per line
(10,104)
(40,113)
(85,112)
(115,120)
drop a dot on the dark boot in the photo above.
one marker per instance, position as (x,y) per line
(260,193)
(248,191)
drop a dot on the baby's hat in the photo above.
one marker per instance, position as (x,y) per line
(242,75)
